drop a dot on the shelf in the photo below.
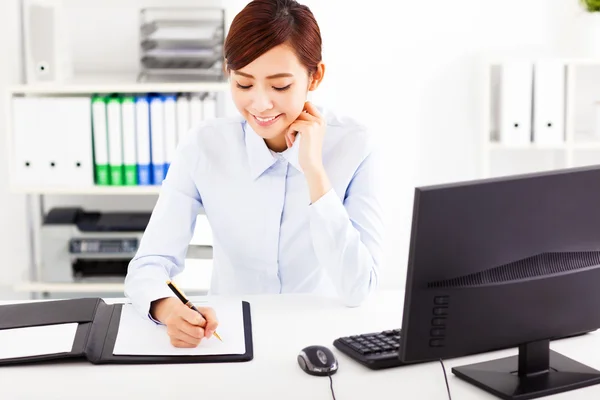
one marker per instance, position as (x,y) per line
(195,277)
(49,287)
(94,190)
(110,83)
(572,61)
(584,145)
(83,287)
(526,146)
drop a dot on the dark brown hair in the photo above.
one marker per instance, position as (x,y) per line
(264,24)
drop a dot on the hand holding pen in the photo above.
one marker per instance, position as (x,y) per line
(185,326)
(189,304)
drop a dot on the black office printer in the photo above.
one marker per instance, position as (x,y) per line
(82,245)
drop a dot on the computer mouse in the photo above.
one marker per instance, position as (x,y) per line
(318,361)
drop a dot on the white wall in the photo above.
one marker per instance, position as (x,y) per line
(407,69)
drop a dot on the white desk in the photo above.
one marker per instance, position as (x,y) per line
(282,326)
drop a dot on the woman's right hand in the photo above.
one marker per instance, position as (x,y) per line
(185,327)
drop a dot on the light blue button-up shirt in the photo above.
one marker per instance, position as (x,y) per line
(267,236)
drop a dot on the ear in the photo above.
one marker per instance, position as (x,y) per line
(317,77)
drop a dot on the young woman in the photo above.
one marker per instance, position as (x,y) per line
(288,189)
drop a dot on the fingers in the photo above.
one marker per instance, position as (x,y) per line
(192,317)
(211,321)
(180,343)
(295,128)
(312,110)
(289,138)
(190,335)
(305,116)
(190,330)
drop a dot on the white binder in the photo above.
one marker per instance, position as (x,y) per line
(52,142)
(170,129)
(516,102)
(549,102)
(209,106)
(183,116)
(196,111)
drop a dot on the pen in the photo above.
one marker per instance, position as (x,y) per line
(188,303)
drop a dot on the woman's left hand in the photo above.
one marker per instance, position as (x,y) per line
(311,125)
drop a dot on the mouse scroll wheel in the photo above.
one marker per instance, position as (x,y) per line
(322,357)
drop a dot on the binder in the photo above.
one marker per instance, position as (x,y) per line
(549,102)
(115,140)
(53,141)
(98,325)
(157,138)
(129,141)
(516,102)
(71,116)
(142,122)
(183,116)
(209,106)
(170,109)
(196,110)
(100,139)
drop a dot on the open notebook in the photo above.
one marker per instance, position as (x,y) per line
(102,333)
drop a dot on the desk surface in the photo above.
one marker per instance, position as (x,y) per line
(282,326)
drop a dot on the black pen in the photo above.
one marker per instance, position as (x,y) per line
(188,303)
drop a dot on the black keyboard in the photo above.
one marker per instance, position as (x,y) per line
(374,350)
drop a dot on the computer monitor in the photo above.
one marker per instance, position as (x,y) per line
(505,262)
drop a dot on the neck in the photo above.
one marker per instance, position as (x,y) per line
(277,144)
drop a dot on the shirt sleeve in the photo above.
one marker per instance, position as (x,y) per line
(347,234)
(163,247)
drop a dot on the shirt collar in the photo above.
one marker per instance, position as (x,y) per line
(260,157)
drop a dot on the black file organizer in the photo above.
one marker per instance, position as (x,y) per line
(97,332)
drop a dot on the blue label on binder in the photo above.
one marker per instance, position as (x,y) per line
(159,174)
(144,175)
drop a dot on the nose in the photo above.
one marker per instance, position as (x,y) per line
(261,101)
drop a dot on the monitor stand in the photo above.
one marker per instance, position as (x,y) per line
(535,372)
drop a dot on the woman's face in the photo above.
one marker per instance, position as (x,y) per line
(270,92)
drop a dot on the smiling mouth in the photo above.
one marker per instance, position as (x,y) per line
(266,119)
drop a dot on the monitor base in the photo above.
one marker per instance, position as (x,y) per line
(535,372)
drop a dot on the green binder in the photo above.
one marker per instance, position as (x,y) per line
(115,140)
(100,140)
(129,140)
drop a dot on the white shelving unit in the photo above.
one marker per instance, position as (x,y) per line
(580,146)
(88,85)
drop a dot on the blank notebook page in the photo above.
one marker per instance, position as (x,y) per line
(37,340)
(140,336)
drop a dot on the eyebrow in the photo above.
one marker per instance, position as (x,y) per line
(280,75)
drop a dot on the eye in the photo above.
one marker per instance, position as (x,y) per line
(244,87)
(281,89)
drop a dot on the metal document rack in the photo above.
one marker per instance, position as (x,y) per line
(182,44)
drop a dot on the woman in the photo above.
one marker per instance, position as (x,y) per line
(288,189)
